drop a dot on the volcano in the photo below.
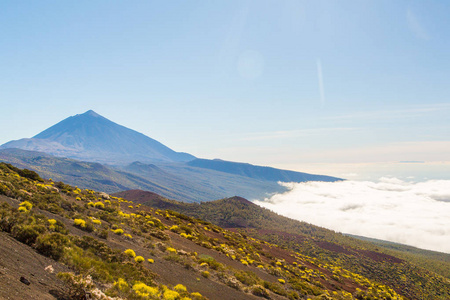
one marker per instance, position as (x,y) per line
(92,137)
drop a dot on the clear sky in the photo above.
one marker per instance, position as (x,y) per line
(290,84)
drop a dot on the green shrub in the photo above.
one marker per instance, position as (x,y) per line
(213,264)
(275,287)
(60,227)
(121,284)
(103,234)
(8,217)
(99,249)
(52,207)
(175,229)
(160,235)
(27,233)
(52,245)
(29,174)
(260,291)
(78,285)
(173,257)
(293,295)
(205,274)
(99,205)
(246,277)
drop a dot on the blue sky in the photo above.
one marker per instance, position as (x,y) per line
(290,84)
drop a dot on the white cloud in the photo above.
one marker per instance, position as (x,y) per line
(416,214)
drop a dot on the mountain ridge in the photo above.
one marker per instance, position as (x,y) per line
(177,181)
(258,172)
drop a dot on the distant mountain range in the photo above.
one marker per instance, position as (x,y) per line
(91,151)
(257,172)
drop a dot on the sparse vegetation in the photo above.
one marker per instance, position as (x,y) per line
(254,261)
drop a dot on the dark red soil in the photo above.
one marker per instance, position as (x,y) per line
(380,257)
(333,247)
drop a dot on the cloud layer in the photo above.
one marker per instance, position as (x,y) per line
(416,214)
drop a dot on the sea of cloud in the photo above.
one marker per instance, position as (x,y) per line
(412,213)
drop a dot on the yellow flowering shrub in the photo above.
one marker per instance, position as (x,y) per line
(130,253)
(118,231)
(26,204)
(96,221)
(205,274)
(99,205)
(170,295)
(180,288)
(79,223)
(139,259)
(145,291)
(171,250)
(22,209)
(196,295)
(121,284)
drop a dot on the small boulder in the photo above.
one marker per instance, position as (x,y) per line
(104,195)
(24,280)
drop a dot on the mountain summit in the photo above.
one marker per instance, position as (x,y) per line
(91,137)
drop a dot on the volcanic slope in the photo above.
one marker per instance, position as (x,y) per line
(413,275)
(107,246)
